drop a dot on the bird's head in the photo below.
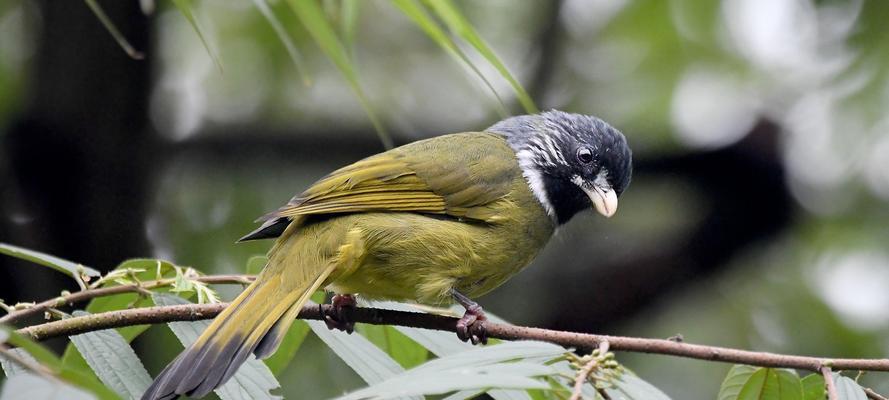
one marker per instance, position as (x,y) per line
(570,161)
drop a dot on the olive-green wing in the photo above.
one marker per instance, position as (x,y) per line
(455,175)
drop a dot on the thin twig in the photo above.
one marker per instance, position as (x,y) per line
(585,372)
(193,312)
(871,394)
(829,383)
(89,294)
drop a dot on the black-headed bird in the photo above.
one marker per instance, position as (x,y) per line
(443,219)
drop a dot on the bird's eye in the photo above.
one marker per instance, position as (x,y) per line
(585,155)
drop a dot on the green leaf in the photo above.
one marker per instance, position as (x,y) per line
(293,339)
(315,22)
(184,7)
(252,381)
(112,29)
(415,11)
(813,387)
(348,22)
(49,360)
(67,267)
(735,380)
(284,37)
(443,344)
(255,264)
(848,389)
(400,347)
(113,360)
(630,387)
(502,366)
(772,384)
(459,25)
(28,386)
(368,361)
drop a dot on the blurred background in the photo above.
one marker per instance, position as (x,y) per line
(757,217)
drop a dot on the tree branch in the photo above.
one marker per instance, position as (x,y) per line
(89,294)
(193,312)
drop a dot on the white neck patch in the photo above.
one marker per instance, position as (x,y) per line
(535,180)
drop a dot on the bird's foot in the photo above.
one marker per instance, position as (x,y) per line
(471,327)
(339,315)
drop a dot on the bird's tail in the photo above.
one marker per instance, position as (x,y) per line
(255,322)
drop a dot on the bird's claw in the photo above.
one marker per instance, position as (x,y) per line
(339,315)
(471,327)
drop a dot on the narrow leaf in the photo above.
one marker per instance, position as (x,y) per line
(415,11)
(112,29)
(735,380)
(113,360)
(184,7)
(848,389)
(316,23)
(252,381)
(69,268)
(10,367)
(49,360)
(284,37)
(459,25)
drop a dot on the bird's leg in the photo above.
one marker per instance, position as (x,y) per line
(339,315)
(471,327)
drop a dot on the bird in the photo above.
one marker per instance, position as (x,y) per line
(440,220)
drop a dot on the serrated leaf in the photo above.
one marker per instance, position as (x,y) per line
(71,269)
(113,360)
(184,7)
(400,347)
(460,26)
(27,386)
(813,387)
(630,387)
(10,367)
(848,389)
(252,381)
(734,381)
(49,360)
(443,344)
(368,361)
(501,366)
(316,23)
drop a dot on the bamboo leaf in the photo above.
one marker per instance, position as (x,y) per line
(184,7)
(460,26)
(316,23)
(284,37)
(69,268)
(415,11)
(252,381)
(112,29)
(110,356)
